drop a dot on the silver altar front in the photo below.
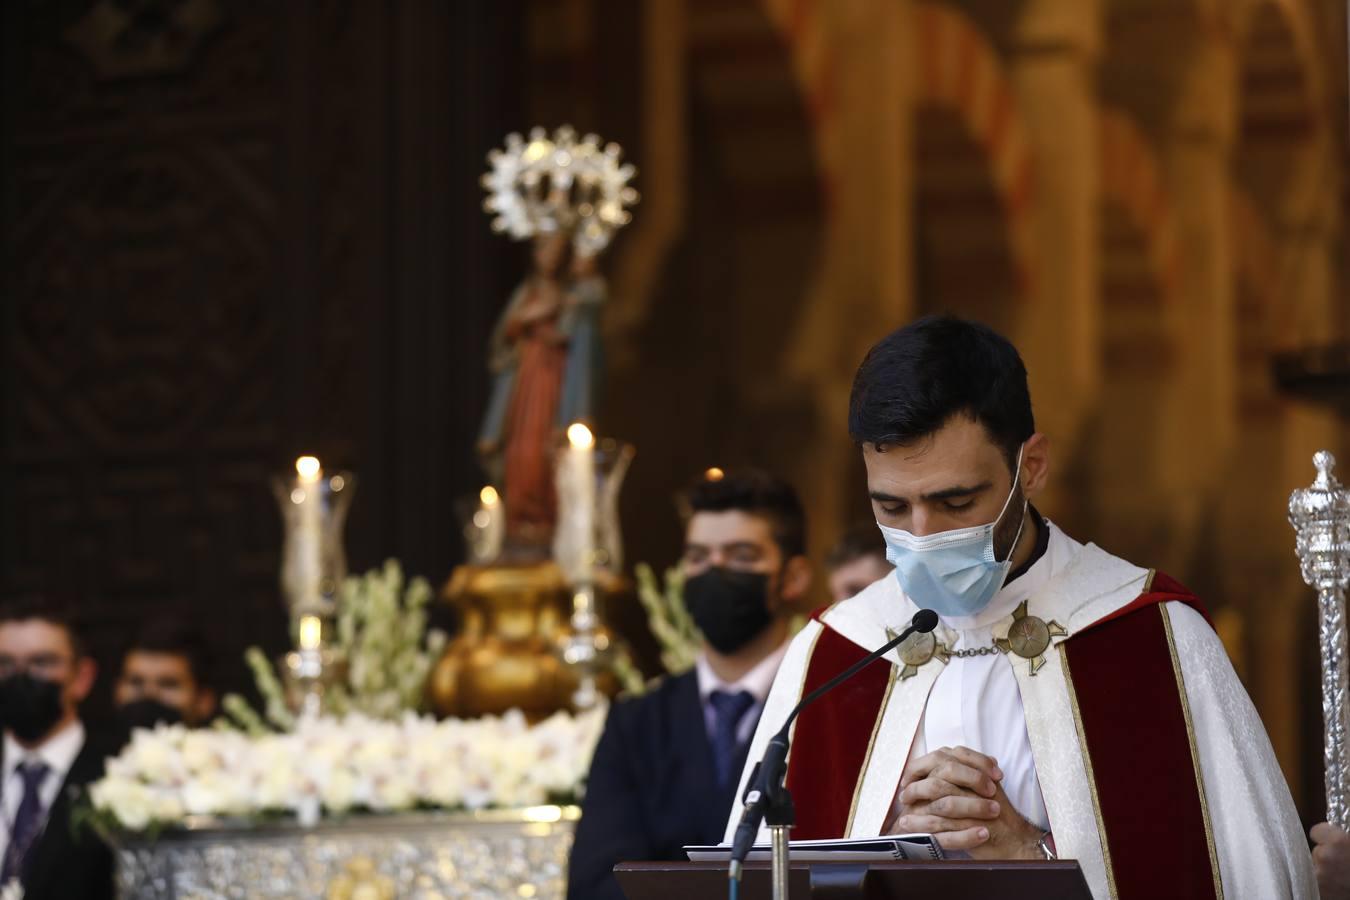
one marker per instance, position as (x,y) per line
(1320,515)
(515,853)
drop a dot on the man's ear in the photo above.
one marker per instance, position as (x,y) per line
(1035,464)
(796,582)
(86,671)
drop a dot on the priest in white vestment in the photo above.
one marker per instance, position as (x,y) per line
(1068,705)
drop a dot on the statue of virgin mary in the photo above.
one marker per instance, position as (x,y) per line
(569,197)
(545,359)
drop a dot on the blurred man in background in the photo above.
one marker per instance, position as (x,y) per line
(856,561)
(165,678)
(44,675)
(664,773)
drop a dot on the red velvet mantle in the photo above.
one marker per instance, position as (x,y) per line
(1132,721)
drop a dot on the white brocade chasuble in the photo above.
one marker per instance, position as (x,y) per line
(975,701)
(994,704)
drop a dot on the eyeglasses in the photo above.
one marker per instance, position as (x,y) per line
(43,665)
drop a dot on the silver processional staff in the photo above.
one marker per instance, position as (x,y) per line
(1320,515)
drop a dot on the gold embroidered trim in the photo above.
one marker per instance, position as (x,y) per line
(1087,765)
(1195,750)
(867,759)
(1148,582)
(801,687)
(820,619)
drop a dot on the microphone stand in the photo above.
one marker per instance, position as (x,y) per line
(767,797)
(780,817)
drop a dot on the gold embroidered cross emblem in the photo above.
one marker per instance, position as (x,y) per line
(1029,637)
(917,650)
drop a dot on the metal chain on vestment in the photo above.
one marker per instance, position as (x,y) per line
(975,651)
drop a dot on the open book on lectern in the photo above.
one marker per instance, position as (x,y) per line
(879,849)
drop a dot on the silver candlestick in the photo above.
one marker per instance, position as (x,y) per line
(584,647)
(1320,515)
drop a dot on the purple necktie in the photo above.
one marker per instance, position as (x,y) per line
(27,821)
(728,710)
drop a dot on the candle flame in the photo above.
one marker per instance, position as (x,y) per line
(311,630)
(308,468)
(714,474)
(488,496)
(580,437)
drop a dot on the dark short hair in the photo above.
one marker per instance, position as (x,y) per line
(917,378)
(43,608)
(861,540)
(175,638)
(757,493)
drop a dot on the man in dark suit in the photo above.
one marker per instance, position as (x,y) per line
(664,773)
(44,674)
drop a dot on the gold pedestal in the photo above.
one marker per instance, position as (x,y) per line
(506,654)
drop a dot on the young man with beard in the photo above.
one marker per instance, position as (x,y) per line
(44,675)
(1068,703)
(665,769)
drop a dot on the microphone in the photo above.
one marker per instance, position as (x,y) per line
(765,785)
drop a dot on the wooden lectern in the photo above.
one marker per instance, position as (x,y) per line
(940,880)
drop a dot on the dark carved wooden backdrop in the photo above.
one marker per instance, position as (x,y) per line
(235,231)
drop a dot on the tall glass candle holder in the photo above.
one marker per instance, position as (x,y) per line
(588,540)
(589,475)
(313,507)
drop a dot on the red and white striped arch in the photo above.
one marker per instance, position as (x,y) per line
(956,68)
(1131,179)
(959,70)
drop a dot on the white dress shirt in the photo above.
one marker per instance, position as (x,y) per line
(58,752)
(975,701)
(757,681)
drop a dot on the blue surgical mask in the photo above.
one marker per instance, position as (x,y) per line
(954,573)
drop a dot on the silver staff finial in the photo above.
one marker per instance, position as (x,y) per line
(1325,461)
(1320,515)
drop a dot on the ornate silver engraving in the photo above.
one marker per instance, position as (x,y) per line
(417,856)
(1320,515)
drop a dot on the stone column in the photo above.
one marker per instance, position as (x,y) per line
(864,287)
(1052,66)
(1196,157)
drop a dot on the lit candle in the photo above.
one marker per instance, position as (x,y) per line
(580,470)
(308,468)
(308,494)
(489,526)
(311,631)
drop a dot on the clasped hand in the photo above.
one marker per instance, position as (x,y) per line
(956,794)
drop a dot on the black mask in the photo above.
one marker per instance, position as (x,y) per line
(147,713)
(728,606)
(29,707)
